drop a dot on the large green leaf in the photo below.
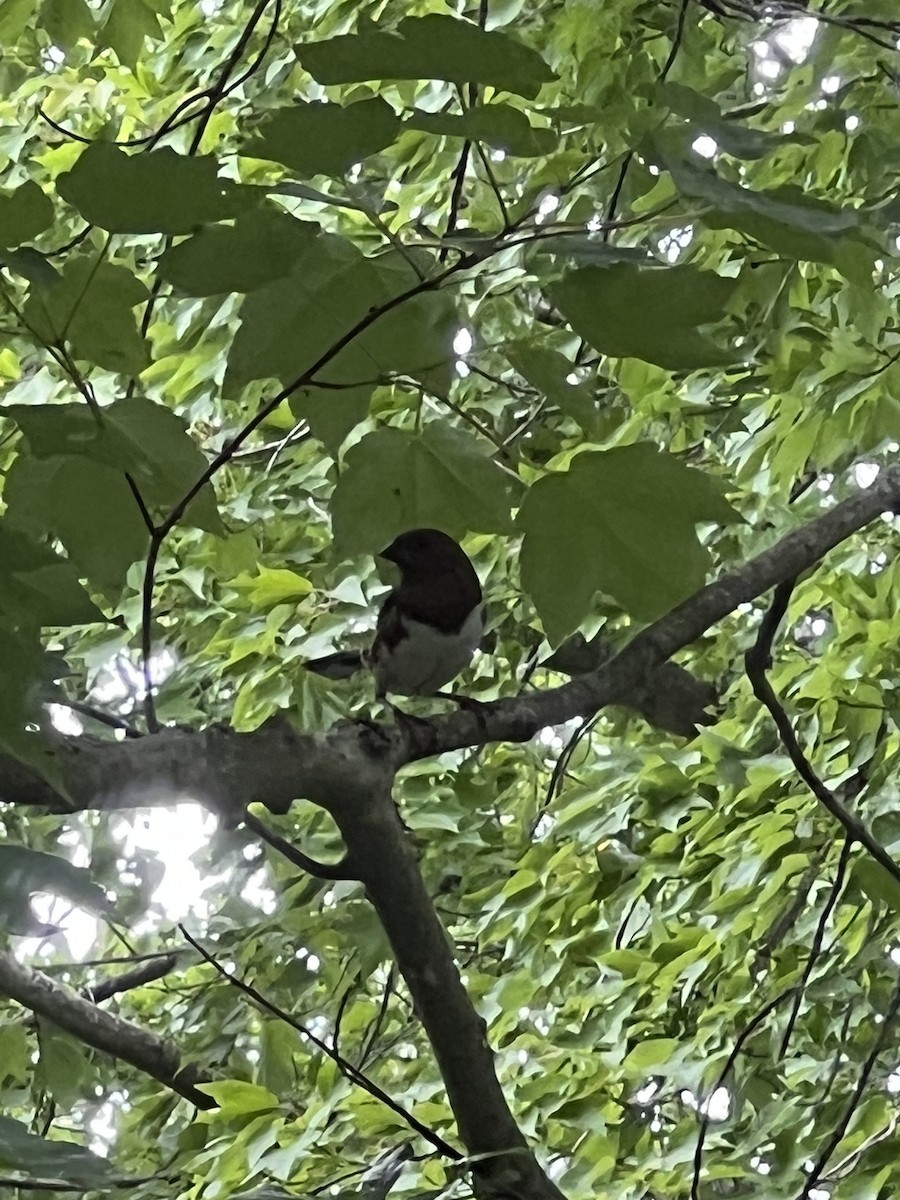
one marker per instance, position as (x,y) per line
(23,872)
(66,21)
(789,221)
(147,440)
(332,412)
(332,289)
(24,214)
(620,521)
(87,505)
(650,313)
(325,139)
(430,47)
(499,125)
(257,249)
(37,587)
(39,1158)
(90,309)
(396,480)
(128,22)
(155,191)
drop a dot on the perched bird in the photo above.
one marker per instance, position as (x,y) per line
(429,626)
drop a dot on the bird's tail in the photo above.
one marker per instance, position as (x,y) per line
(340,665)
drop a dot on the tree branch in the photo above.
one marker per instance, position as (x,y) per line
(92,1025)
(382,856)
(277,764)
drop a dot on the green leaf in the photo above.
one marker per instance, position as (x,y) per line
(31,265)
(325,139)
(41,1158)
(548,371)
(789,221)
(499,125)
(39,588)
(147,440)
(90,308)
(619,521)
(626,311)
(430,47)
(167,460)
(154,191)
(332,412)
(650,1057)
(877,883)
(87,505)
(63,1069)
(704,116)
(15,15)
(24,214)
(23,872)
(237,1098)
(396,480)
(67,21)
(331,290)
(257,249)
(271,586)
(128,23)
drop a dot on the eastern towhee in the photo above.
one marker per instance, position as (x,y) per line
(429,626)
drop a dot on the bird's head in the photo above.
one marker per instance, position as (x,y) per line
(422,549)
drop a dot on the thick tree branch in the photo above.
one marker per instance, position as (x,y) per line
(381,854)
(84,1020)
(276,764)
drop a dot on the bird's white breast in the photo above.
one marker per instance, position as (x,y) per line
(427,658)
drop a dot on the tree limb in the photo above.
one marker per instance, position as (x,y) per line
(277,764)
(81,1018)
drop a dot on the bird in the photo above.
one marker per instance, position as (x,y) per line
(428,627)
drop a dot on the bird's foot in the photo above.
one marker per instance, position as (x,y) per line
(408,719)
(476,707)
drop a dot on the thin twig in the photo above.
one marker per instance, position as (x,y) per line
(739,1044)
(837,1135)
(757,661)
(292,854)
(344,1066)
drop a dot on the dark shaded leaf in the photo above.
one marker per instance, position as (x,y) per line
(41,1158)
(396,480)
(331,289)
(90,308)
(325,139)
(431,47)
(498,125)
(257,249)
(620,521)
(24,214)
(23,872)
(154,191)
(652,314)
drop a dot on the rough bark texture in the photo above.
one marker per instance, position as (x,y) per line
(100,1029)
